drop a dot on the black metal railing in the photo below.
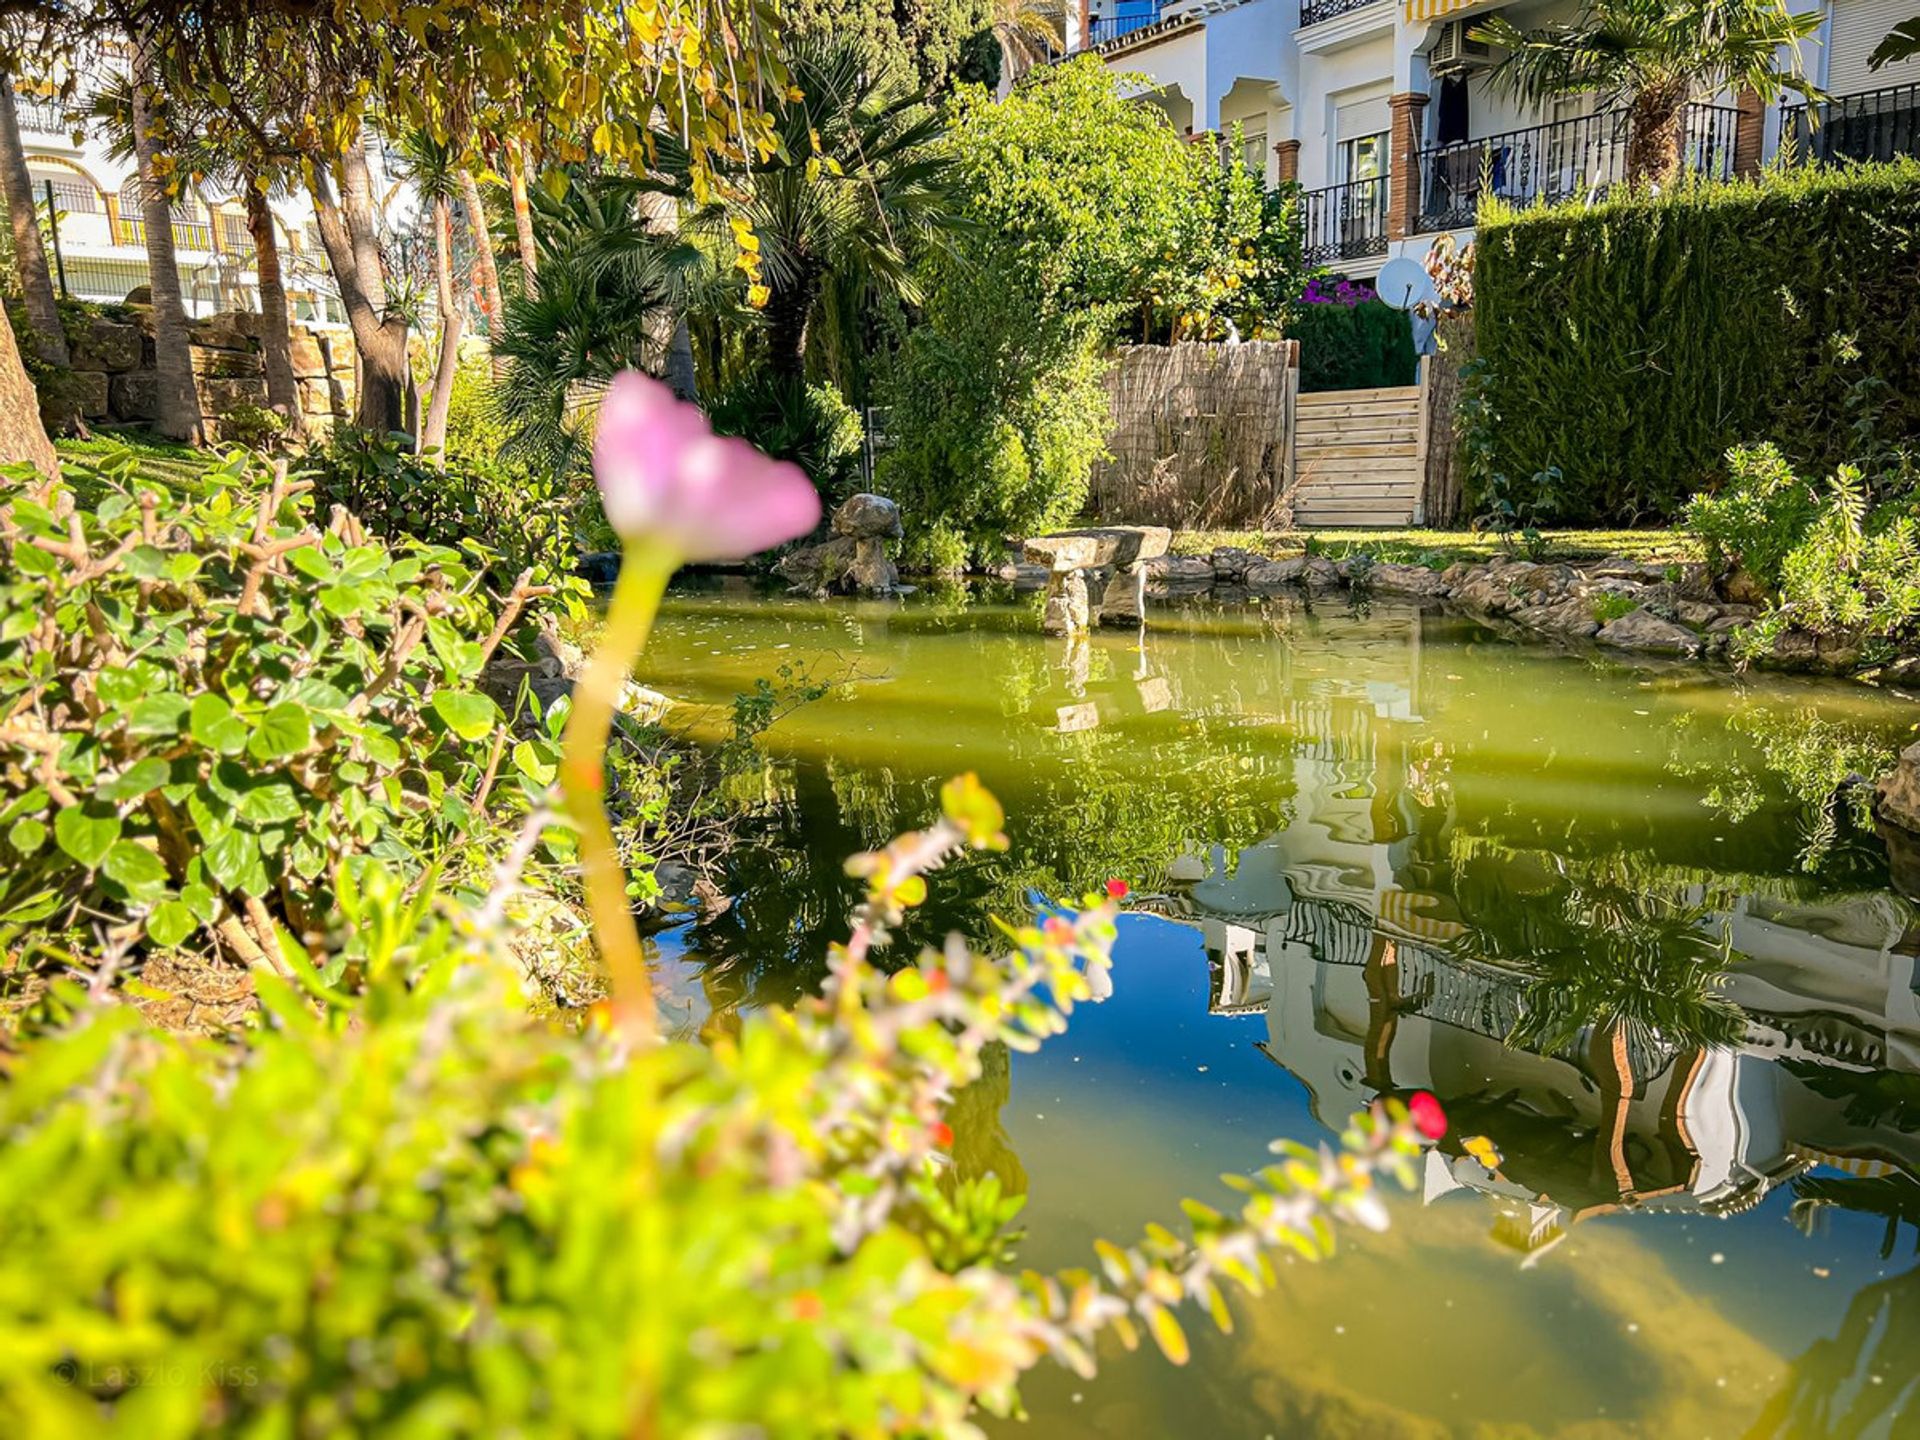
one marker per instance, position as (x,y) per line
(1344,222)
(1312,12)
(1874,125)
(1566,159)
(70,196)
(1127,16)
(41,117)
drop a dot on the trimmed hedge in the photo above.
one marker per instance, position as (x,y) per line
(1629,345)
(1353,347)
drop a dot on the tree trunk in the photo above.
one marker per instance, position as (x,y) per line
(29,255)
(276,327)
(681,376)
(23,439)
(176,401)
(483,247)
(1653,148)
(523,220)
(788,310)
(353,252)
(433,431)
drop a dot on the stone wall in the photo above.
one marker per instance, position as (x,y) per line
(113,381)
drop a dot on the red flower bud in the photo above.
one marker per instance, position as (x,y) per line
(1427,1115)
(942,1134)
(1118,889)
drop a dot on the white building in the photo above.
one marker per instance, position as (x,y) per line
(90,203)
(1382,110)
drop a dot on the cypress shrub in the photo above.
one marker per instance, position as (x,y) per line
(1353,347)
(1628,345)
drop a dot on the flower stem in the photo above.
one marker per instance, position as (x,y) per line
(644,572)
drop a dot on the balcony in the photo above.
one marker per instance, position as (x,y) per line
(1568,159)
(1874,125)
(187,234)
(1344,222)
(1127,16)
(1312,12)
(42,117)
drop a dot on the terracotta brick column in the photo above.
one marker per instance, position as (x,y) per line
(1408,112)
(1287,154)
(1749,132)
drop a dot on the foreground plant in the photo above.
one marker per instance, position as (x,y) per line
(429,1210)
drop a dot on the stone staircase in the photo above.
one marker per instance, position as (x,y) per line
(1359,457)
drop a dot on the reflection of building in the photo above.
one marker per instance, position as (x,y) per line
(1391,952)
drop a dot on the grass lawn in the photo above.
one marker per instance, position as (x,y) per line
(1428,547)
(166,461)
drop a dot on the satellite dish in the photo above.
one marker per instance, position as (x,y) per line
(1404,283)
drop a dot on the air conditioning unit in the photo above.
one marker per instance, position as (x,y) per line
(1454,54)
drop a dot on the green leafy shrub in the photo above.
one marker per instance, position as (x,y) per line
(212,705)
(1607,608)
(1857,572)
(1353,347)
(426,1208)
(1633,341)
(253,426)
(811,425)
(1760,515)
(504,519)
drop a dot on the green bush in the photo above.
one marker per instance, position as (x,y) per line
(811,425)
(428,1211)
(224,704)
(1353,347)
(504,519)
(1757,519)
(1630,343)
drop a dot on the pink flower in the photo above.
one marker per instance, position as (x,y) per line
(1117,889)
(1427,1114)
(665,476)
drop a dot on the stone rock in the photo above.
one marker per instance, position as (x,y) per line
(1697,613)
(871,572)
(1386,578)
(1230,562)
(1322,574)
(1548,582)
(1572,616)
(1485,591)
(1100,545)
(817,568)
(139,295)
(1646,632)
(1067,611)
(1730,620)
(1897,798)
(1023,576)
(218,397)
(1275,574)
(1458,573)
(1124,601)
(1743,587)
(309,361)
(227,364)
(1180,572)
(135,395)
(224,331)
(106,345)
(91,393)
(868,517)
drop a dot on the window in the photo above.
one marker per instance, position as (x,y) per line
(1363,158)
(1360,139)
(1254,153)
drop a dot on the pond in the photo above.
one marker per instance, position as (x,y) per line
(1623,920)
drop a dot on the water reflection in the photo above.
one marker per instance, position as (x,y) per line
(1625,921)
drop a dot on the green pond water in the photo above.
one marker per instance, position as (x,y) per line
(1621,918)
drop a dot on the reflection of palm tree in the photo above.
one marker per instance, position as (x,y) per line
(1625,968)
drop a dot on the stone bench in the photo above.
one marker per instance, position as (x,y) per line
(1123,550)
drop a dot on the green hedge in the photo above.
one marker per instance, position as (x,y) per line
(1631,344)
(1358,347)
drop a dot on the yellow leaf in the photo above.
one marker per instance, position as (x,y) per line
(1168,1335)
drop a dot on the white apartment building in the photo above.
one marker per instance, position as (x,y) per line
(1383,111)
(90,206)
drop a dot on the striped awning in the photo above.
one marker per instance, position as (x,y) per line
(1418,12)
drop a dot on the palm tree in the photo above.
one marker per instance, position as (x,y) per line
(438,177)
(858,184)
(176,400)
(29,253)
(1029,32)
(1653,57)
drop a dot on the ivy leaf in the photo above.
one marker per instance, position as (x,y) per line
(270,803)
(282,731)
(157,715)
(468,715)
(136,780)
(136,869)
(234,859)
(171,923)
(213,723)
(27,835)
(86,832)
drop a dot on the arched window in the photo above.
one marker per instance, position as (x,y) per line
(73,194)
